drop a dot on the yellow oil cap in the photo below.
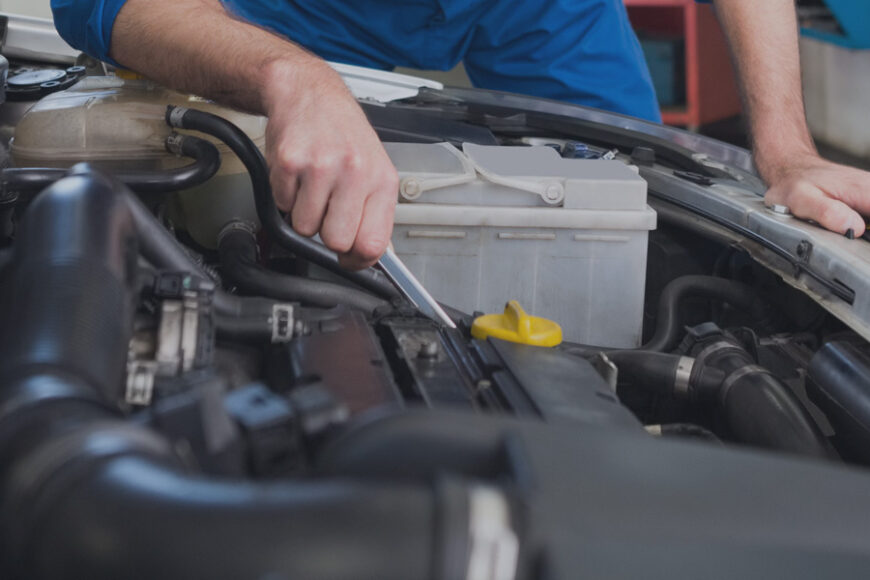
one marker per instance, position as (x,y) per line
(517,326)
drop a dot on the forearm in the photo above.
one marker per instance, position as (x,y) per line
(764,40)
(197,47)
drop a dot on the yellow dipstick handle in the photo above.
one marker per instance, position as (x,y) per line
(517,326)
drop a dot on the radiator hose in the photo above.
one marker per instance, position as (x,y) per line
(237,248)
(756,407)
(85,494)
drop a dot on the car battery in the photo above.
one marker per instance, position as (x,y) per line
(567,238)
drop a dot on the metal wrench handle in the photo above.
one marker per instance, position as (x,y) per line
(410,287)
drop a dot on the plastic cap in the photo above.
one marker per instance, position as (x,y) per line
(517,326)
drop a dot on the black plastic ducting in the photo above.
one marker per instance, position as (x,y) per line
(238,255)
(839,383)
(84,494)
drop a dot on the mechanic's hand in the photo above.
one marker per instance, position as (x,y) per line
(835,196)
(328,168)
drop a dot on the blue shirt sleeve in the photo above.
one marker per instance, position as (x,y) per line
(87,24)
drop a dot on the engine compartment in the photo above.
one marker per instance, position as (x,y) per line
(219,399)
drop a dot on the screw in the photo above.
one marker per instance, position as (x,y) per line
(428,349)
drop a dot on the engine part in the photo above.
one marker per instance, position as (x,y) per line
(30,84)
(206,164)
(839,383)
(610,502)
(668,324)
(559,222)
(118,126)
(757,407)
(237,247)
(71,468)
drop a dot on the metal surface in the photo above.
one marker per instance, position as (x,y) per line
(834,268)
(706,147)
(410,287)
(36,39)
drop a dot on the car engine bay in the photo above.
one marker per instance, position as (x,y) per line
(191,389)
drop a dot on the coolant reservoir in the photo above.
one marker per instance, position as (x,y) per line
(118,124)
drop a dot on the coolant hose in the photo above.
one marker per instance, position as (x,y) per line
(207,162)
(668,323)
(664,374)
(758,407)
(237,248)
(84,494)
(267,211)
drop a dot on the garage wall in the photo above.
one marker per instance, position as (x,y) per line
(836,85)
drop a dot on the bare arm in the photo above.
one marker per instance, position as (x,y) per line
(764,40)
(327,165)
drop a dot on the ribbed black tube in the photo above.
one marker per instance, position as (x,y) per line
(267,211)
(238,255)
(758,408)
(668,323)
(84,494)
(206,163)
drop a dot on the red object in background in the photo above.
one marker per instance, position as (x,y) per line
(711,86)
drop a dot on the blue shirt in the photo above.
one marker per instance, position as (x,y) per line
(580,51)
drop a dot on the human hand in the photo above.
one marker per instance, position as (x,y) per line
(328,168)
(835,196)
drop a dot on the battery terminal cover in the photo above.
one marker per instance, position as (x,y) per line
(515,325)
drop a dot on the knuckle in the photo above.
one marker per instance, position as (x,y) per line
(290,161)
(337,242)
(831,216)
(321,166)
(370,248)
(353,161)
(304,224)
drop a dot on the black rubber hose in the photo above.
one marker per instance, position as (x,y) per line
(669,326)
(238,255)
(839,383)
(206,164)
(237,318)
(163,524)
(665,374)
(84,494)
(68,292)
(267,211)
(758,407)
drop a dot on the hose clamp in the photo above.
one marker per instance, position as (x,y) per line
(176,117)
(683,376)
(174,143)
(236,226)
